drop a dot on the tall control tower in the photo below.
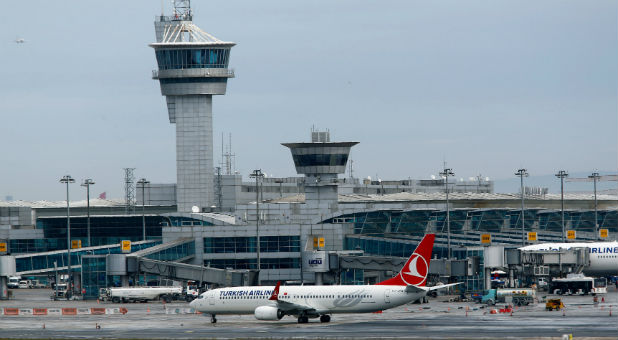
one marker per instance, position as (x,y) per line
(193,66)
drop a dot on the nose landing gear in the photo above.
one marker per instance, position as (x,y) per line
(213,319)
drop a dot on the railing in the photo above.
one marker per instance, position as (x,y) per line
(208,72)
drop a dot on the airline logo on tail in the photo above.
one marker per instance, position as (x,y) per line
(415,271)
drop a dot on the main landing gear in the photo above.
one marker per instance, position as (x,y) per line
(213,319)
(303,319)
(325,318)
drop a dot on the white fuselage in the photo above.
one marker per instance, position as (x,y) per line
(603,255)
(324,299)
(149,293)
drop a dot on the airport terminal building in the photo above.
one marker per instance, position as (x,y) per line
(313,228)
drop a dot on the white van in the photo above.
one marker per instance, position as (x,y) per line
(13,282)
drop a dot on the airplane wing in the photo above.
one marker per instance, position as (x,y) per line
(415,289)
(289,307)
(294,308)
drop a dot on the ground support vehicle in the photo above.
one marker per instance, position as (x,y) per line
(554,304)
(578,284)
(13,282)
(519,296)
(141,294)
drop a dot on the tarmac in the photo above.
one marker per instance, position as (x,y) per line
(441,318)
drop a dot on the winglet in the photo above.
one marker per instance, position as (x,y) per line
(275,295)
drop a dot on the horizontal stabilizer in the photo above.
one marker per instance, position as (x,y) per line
(444,286)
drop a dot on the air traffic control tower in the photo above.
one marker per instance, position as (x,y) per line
(193,66)
(321,161)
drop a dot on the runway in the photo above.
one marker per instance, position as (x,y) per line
(438,319)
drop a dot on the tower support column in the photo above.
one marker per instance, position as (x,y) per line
(192,115)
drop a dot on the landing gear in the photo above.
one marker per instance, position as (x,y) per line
(303,319)
(325,318)
(213,319)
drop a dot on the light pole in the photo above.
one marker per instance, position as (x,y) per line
(68,179)
(446,173)
(595,177)
(257,174)
(562,175)
(142,183)
(87,183)
(522,173)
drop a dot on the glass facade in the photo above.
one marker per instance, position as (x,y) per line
(175,253)
(382,247)
(168,59)
(45,261)
(266,263)
(384,223)
(104,230)
(93,275)
(320,159)
(352,277)
(268,244)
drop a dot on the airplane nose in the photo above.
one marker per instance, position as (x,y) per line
(193,303)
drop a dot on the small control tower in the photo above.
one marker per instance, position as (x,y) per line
(320,161)
(192,67)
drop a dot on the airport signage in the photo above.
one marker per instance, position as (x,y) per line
(315,261)
(125,246)
(76,244)
(532,236)
(318,242)
(603,233)
(485,238)
(3,248)
(571,234)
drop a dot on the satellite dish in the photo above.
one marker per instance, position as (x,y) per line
(369,178)
(433,176)
(470,178)
(460,179)
(486,179)
(195,209)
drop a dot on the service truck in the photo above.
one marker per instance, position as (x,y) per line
(578,284)
(142,294)
(520,296)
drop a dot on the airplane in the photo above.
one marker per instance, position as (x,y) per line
(20,41)
(304,302)
(603,255)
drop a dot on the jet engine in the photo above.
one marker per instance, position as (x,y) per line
(268,313)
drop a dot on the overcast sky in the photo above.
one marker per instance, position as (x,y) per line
(487,86)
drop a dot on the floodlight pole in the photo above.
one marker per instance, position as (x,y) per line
(87,183)
(522,173)
(257,174)
(142,182)
(595,177)
(67,179)
(562,175)
(446,173)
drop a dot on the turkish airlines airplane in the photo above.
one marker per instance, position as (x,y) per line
(603,255)
(304,302)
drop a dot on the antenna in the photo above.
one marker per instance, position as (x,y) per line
(182,10)
(227,157)
(129,190)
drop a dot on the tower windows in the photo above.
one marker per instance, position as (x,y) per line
(169,59)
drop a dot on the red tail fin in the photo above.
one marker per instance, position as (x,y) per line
(415,271)
(275,294)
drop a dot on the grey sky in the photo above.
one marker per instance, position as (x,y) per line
(488,86)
